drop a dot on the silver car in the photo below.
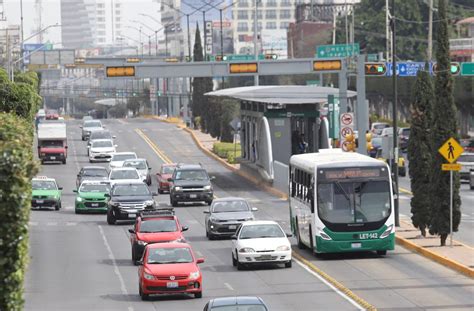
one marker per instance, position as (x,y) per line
(467,164)
(225,215)
(89,126)
(142,167)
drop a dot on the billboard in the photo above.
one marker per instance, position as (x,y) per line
(227,38)
(275,42)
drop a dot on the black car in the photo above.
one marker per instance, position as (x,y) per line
(225,215)
(91,173)
(190,183)
(250,303)
(127,199)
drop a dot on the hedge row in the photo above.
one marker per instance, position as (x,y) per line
(19,102)
(227,151)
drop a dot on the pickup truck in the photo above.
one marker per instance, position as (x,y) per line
(52,142)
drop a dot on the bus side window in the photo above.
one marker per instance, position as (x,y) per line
(293,184)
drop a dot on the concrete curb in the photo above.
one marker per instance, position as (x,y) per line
(335,283)
(435,257)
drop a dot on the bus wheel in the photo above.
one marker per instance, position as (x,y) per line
(298,236)
(382,253)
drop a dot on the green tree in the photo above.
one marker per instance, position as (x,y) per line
(420,151)
(444,126)
(133,104)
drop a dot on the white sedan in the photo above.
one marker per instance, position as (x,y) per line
(101,150)
(119,157)
(124,174)
(260,242)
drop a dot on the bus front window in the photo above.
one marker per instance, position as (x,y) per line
(334,203)
(374,199)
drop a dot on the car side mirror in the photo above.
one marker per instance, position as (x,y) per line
(170,179)
(289,235)
(60,188)
(75,191)
(206,212)
(184,228)
(115,146)
(78,175)
(234,237)
(113,137)
(154,194)
(131,230)
(254,209)
(212,178)
(200,260)
(107,195)
(66,147)
(149,168)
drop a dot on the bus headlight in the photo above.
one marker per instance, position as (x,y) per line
(324,236)
(387,232)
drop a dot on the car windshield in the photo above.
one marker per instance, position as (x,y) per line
(190,175)
(95,172)
(230,206)
(102,144)
(94,188)
(92,124)
(167,169)
(51,143)
(100,135)
(131,190)
(380,126)
(124,174)
(43,185)
(158,225)
(140,165)
(123,157)
(354,202)
(466,158)
(261,231)
(169,255)
(239,308)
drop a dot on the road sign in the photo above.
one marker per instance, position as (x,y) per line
(346,119)
(451,150)
(333,116)
(235,124)
(337,50)
(467,69)
(451,167)
(408,69)
(347,146)
(346,131)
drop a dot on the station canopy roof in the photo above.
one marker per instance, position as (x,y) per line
(281,94)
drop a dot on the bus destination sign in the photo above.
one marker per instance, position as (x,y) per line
(351,173)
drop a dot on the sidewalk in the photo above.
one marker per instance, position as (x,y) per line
(460,257)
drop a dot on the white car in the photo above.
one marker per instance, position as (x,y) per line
(119,157)
(260,242)
(101,150)
(142,167)
(89,126)
(467,164)
(125,174)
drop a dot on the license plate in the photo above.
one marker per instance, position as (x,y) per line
(53,158)
(40,201)
(95,204)
(172,284)
(356,245)
(232,227)
(193,196)
(132,215)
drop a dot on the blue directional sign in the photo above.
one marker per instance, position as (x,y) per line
(408,69)
(31,47)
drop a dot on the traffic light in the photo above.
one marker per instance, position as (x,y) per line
(120,71)
(368,139)
(220,58)
(271,56)
(243,68)
(375,69)
(327,65)
(455,68)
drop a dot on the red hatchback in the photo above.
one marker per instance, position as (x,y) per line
(169,268)
(165,173)
(156,226)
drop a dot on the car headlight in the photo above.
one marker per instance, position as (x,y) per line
(149,202)
(142,243)
(79,199)
(178,188)
(246,250)
(324,236)
(283,248)
(207,188)
(148,276)
(387,232)
(194,275)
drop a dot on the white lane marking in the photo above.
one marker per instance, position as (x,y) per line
(465,215)
(229,287)
(122,121)
(71,223)
(328,284)
(192,221)
(32,223)
(114,263)
(52,224)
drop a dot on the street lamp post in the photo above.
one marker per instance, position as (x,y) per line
(255,33)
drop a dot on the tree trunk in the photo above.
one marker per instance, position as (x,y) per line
(443,238)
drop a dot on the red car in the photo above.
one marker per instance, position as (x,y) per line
(169,268)
(165,173)
(154,227)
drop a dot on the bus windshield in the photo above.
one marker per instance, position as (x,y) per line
(354,202)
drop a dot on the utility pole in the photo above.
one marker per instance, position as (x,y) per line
(387,30)
(255,40)
(429,53)
(395,118)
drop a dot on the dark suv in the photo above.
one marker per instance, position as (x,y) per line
(190,183)
(127,199)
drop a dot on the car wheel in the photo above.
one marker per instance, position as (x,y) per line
(382,253)
(211,236)
(64,161)
(209,203)
(76,211)
(472,187)
(83,138)
(198,295)
(143,296)
(239,265)
(58,206)
(160,191)
(288,264)
(111,218)
(173,203)
(234,261)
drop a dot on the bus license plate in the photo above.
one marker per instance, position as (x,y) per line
(172,284)
(356,245)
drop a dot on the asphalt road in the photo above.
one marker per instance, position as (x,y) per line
(78,262)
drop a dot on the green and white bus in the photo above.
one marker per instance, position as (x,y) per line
(341,202)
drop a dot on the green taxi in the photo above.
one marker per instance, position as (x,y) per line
(46,193)
(91,197)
